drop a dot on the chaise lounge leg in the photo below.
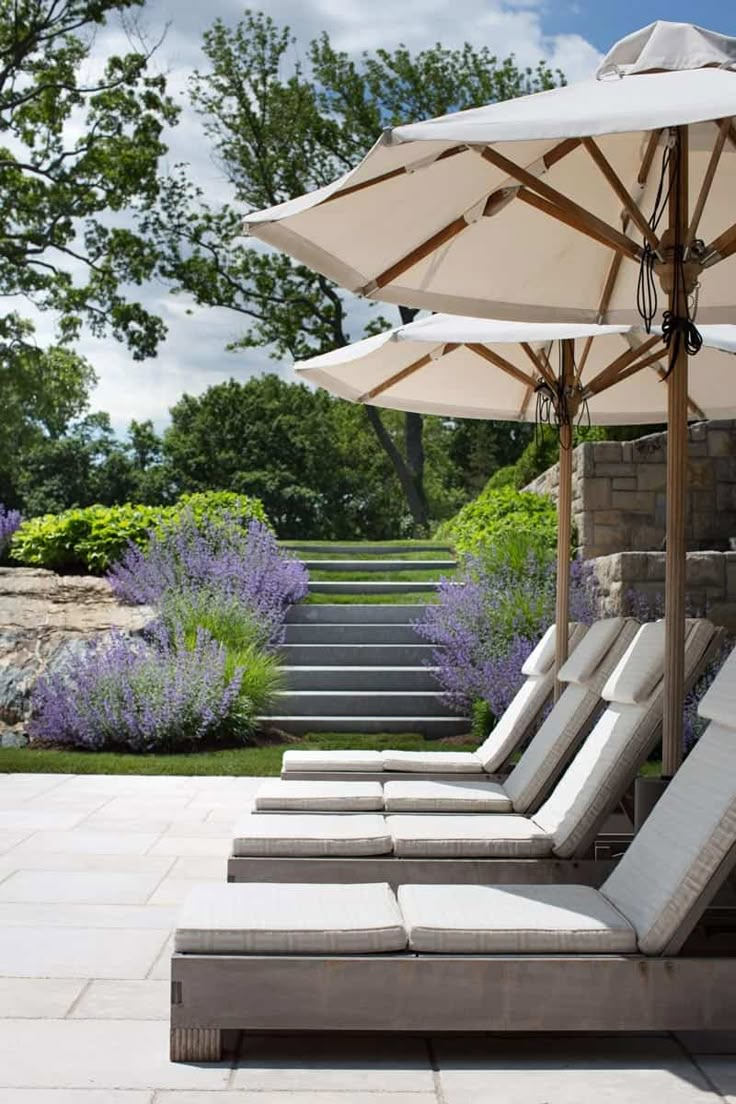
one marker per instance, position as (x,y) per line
(196,1044)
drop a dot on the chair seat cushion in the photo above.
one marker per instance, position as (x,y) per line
(445,797)
(437,762)
(461,836)
(266,918)
(284,794)
(331,761)
(302,835)
(533,919)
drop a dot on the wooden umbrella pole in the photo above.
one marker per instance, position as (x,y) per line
(564,522)
(677,437)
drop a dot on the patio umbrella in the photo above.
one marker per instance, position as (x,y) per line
(478,368)
(607,200)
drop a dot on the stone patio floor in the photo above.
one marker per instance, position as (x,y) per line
(91,871)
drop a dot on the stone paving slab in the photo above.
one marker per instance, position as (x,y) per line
(328,1064)
(123,1000)
(78,952)
(91,872)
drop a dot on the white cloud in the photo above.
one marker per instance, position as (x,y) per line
(193,356)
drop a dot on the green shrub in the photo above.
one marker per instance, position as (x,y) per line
(495,513)
(93,537)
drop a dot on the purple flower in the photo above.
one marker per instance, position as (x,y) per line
(487,620)
(10,520)
(141,695)
(218,556)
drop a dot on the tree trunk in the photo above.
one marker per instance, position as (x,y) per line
(413,493)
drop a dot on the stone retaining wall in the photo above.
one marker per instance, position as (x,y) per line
(619,499)
(633,583)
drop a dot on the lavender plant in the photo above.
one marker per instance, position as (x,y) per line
(209,558)
(487,620)
(10,521)
(142,695)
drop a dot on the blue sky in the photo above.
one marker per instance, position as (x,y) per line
(570,34)
(604,21)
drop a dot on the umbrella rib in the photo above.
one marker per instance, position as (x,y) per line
(402,374)
(721,247)
(723,129)
(623,245)
(578,217)
(544,371)
(621,191)
(353,188)
(525,402)
(501,362)
(499,195)
(609,375)
(615,266)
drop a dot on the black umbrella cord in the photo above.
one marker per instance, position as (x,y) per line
(559,405)
(675,329)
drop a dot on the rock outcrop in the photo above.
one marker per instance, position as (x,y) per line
(42,617)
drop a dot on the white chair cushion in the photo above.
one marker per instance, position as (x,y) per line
(587,657)
(719,700)
(515,723)
(640,668)
(540,659)
(303,761)
(606,763)
(445,797)
(438,762)
(534,919)
(301,835)
(321,797)
(562,730)
(681,844)
(468,837)
(598,775)
(266,918)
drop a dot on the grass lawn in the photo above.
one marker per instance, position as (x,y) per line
(256,761)
(443,554)
(317,576)
(360,546)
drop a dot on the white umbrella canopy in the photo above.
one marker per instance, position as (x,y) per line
(440,365)
(578,204)
(518,209)
(479,368)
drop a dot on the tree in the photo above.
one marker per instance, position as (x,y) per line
(78,156)
(280,129)
(42,390)
(88,464)
(308,456)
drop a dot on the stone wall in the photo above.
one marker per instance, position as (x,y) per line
(619,497)
(42,617)
(633,583)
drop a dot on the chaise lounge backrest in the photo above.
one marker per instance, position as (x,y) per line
(585,673)
(528,702)
(687,845)
(622,738)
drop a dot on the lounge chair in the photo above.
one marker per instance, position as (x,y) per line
(481,957)
(485,762)
(403,848)
(529,782)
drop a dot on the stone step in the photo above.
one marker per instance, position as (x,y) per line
(368,548)
(358,566)
(370,633)
(367,586)
(360,678)
(332,613)
(361,703)
(434,728)
(356,655)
